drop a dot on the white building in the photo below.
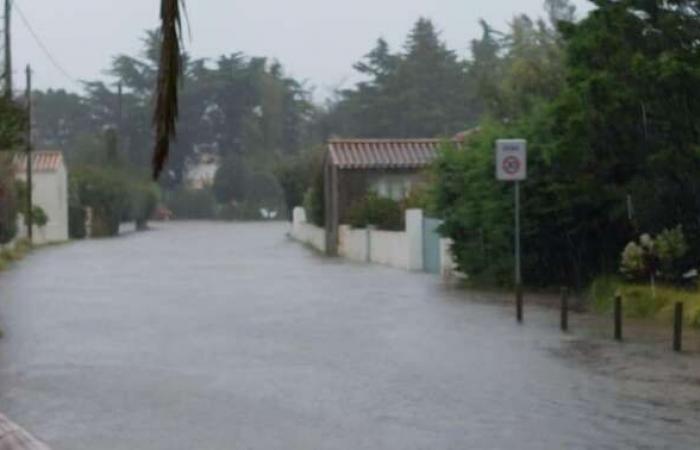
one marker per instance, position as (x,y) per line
(50,193)
(201,170)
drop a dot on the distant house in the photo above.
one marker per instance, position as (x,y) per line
(50,193)
(389,167)
(201,170)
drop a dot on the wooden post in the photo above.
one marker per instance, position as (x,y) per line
(678,328)
(564,310)
(618,317)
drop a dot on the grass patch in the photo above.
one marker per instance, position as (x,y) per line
(640,302)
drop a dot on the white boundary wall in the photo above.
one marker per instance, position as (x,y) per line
(399,249)
(306,232)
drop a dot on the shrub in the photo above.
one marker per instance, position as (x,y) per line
(106,192)
(192,204)
(661,256)
(384,213)
(640,302)
(8,203)
(144,200)
(39,216)
(76,222)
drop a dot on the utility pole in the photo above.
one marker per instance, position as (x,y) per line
(29,212)
(8,50)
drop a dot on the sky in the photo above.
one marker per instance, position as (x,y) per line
(316,40)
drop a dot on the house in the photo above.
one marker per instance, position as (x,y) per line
(50,193)
(200,170)
(353,167)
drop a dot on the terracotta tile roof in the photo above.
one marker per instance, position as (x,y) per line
(383,153)
(42,161)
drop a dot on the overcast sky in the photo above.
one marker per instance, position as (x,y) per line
(316,40)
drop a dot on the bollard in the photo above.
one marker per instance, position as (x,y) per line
(564,310)
(519,303)
(618,317)
(678,328)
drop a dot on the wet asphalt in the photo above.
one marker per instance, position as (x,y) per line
(230,336)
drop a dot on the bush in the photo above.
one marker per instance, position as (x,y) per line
(192,204)
(8,203)
(76,222)
(107,193)
(39,216)
(640,301)
(144,201)
(384,213)
(661,256)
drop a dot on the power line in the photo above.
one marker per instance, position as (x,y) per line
(41,44)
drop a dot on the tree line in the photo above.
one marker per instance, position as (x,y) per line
(610,107)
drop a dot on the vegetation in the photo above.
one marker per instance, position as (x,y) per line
(640,301)
(113,197)
(14,253)
(620,127)
(8,202)
(189,204)
(383,213)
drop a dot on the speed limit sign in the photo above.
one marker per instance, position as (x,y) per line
(511,159)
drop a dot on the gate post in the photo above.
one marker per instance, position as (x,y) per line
(414,233)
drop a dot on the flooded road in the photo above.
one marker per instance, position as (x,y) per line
(221,336)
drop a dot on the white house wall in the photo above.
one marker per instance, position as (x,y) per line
(50,193)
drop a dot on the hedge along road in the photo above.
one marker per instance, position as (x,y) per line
(221,336)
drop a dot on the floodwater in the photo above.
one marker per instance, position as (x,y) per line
(222,336)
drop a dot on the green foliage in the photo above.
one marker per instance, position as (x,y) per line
(231,180)
(621,121)
(107,193)
(422,92)
(634,261)
(8,202)
(237,105)
(39,216)
(294,176)
(477,211)
(13,121)
(661,256)
(383,213)
(76,221)
(314,199)
(144,201)
(671,249)
(640,302)
(192,204)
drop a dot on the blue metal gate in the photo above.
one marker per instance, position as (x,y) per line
(431,245)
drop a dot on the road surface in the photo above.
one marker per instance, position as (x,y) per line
(230,336)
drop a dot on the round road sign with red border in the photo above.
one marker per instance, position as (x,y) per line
(511,165)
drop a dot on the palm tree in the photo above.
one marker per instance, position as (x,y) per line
(169,72)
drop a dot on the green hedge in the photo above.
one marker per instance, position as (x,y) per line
(383,213)
(113,196)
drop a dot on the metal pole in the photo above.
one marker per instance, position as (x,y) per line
(29,212)
(518,267)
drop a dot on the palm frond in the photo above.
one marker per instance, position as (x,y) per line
(169,73)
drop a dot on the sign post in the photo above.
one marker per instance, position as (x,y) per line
(511,166)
